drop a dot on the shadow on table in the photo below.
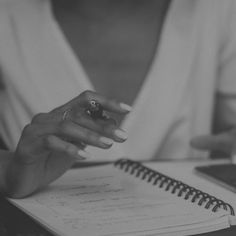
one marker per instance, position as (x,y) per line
(13,222)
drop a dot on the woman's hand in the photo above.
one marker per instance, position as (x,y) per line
(224,143)
(53,141)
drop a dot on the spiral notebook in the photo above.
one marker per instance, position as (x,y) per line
(125,198)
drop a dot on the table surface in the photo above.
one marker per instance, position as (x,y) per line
(14,222)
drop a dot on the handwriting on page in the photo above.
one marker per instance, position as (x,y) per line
(105,201)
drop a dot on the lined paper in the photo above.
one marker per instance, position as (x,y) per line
(106,201)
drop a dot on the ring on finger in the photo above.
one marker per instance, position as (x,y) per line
(65,114)
(95,110)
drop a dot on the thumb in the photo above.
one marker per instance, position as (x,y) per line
(223,142)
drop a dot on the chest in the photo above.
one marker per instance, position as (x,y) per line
(116,52)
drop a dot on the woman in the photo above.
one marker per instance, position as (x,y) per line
(172,61)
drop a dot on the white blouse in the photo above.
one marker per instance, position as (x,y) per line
(195,63)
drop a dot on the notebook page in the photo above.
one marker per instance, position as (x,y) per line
(106,201)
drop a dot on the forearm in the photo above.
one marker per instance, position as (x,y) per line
(5,159)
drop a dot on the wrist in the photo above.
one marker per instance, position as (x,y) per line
(20,179)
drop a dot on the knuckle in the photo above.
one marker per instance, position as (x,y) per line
(63,127)
(70,148)
(48,141)
(55,110)
(87,94)
(92,137)
(79,117)
(109,128)
(27,129)
(38,118)
(112,102)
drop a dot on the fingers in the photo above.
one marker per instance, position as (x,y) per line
(59,145)
(77,135)
(69,128)
(107,128)
(110,105)
(97,129)
(224,142)
(77,114)
(74,132)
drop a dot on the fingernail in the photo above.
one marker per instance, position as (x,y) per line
(106,141)
(83,154)
(120,134)
(125,107)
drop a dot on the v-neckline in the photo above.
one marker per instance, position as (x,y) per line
(68,51)
(48,59)
(80,72)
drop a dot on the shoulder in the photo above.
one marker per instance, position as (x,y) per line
(217,16)
(219,8)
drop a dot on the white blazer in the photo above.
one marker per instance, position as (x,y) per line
(193,70)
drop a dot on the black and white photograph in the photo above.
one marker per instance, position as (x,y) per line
(117,117)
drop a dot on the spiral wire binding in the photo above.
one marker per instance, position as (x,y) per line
(173,185)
